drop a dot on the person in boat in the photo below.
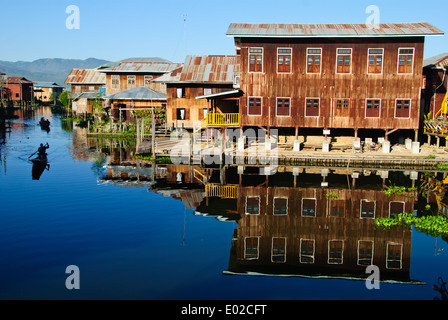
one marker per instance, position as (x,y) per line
(42,151)
(44,122)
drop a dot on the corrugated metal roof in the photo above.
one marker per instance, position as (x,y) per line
(173,76)
(85,76)
(210,69)
(141,67)
(331,30)
(138,93)
(17,80)
(87,95)
(438,61)
(47,85)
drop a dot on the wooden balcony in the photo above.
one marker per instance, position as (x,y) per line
(222,119)
(220,191)
(436,128)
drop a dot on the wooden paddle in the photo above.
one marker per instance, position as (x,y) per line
(32,155)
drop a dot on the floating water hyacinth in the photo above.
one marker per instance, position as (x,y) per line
(436,226)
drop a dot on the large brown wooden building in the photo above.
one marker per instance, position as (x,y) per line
(331,76)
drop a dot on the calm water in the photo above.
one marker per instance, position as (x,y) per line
(131,240)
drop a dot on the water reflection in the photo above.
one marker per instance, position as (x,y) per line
(302,221)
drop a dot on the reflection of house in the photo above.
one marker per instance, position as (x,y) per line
(204,84)
(436,78)
(307,230)
(44,91)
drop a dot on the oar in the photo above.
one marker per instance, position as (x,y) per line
(32,155)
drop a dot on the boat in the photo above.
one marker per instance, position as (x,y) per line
(44,123)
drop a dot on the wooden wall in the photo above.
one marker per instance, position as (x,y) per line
(328,85)
(139,82)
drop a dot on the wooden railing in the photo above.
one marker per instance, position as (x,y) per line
(220,191)
(222,119)
(434,127)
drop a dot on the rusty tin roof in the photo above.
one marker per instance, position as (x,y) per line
(210,69)
(331,30)
(85,76)
(438,61)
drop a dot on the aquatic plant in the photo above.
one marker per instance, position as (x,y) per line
(332,195)
(398,190)
(436,226)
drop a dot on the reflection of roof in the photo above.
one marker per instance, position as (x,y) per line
(138,93)
(85,76)
(331,30)
(438,61)
(190,198)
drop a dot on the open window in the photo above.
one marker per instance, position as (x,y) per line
(306,254)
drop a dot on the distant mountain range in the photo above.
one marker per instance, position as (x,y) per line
(53,70)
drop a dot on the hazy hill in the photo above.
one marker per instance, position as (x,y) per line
(54,70)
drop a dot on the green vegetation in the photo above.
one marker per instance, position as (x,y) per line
(160,160)
(436,226)
(431,156)
(332,195)
(398,190)
(442,166)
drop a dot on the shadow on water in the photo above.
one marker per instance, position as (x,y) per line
(39,166)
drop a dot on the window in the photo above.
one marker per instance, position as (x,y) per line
(402,108)
(306,254)
(254,107)
(395,208)
(280,206)
(180,93)
(312,107)
(204,113)
(406,60)
(17,95)
(207,91)
(375,61)
(373,107)
(278,250)
(283,106)
(393,259)
(367,209)
(148,80)
(131,82)
(335,251)
(365,253)
(343,60)
(284,60)
(252,205)
(115,81)
(255,59)
(309,207)
(337,208)
(313,60)
(251,248)
(181,114)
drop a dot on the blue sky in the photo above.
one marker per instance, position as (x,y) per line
(115,30)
